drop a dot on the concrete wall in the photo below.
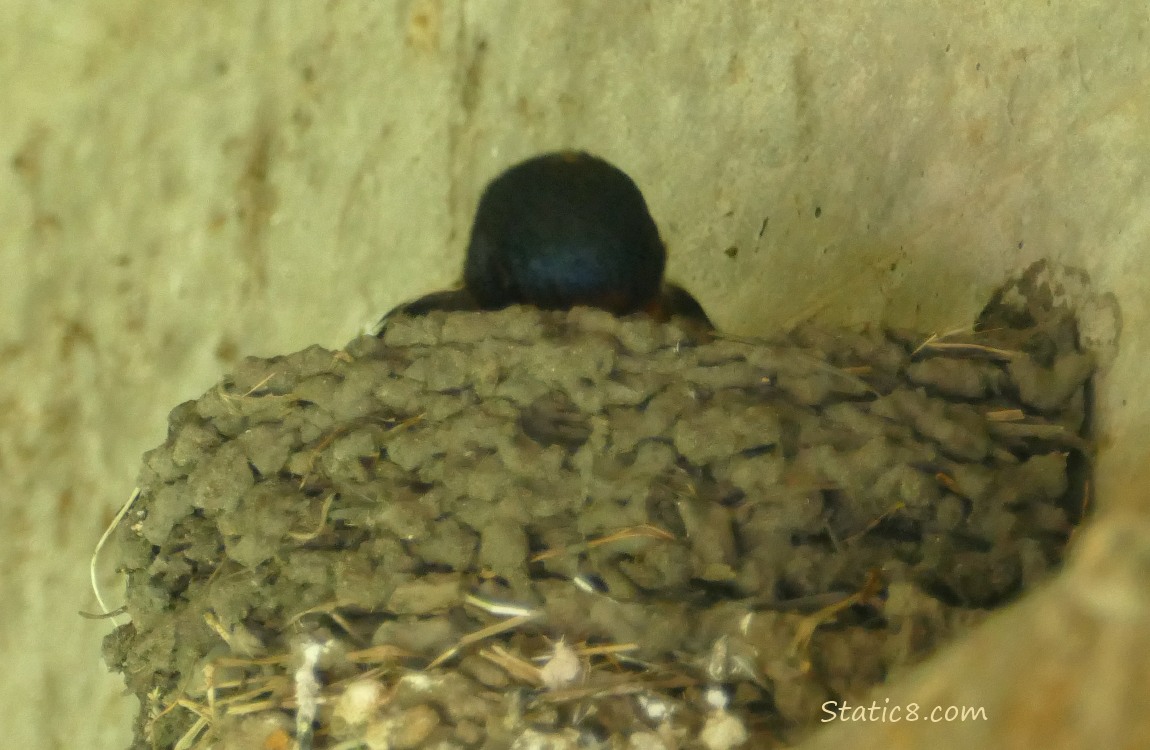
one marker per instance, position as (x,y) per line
(182,184)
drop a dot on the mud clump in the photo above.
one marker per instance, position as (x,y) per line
(545,529)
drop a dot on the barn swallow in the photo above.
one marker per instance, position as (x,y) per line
(561,230)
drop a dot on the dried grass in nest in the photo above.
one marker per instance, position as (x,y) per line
(265,689)
(291,700)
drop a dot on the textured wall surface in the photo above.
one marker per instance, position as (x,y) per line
(184,184)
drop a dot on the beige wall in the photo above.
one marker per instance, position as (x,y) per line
(182,184)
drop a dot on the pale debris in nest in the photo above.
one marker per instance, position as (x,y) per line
(656,707)
(563,668)
(717,698)
(358,704)
(307,692)
(404,730)
(723,731)
(531,739)
(647,741)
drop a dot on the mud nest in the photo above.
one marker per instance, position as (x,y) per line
(532,529)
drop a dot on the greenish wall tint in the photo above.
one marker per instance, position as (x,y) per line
(183,184)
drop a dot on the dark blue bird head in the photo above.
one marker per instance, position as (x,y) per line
(561,230)
(558,231)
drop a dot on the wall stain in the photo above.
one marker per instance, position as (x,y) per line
(27,162)
(424,25)
(361,189)
(28,165)
(75,334)
(468,78)
(736,70)
(471,86)
(256,201)
(806,113)
(65,510)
